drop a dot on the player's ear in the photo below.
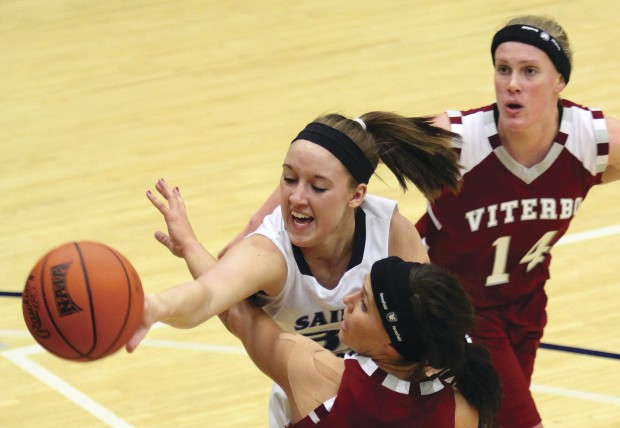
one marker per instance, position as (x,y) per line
(560,84)
(358,195)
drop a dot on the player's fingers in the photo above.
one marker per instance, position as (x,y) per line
(161,207)
(176,201)
(163,188)
(162,238)
(135,340)
(172,195)
(143,328)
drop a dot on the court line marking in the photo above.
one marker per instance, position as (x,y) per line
(10,294)
(171,344)
(19,357)
(579,395)
(570,238)
(20,334)
(581,351)
(603,232)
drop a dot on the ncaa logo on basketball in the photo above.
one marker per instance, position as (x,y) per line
(391,317)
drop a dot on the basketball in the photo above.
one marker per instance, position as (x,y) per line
(82,301)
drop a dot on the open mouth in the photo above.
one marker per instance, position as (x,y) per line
(301,219)
(514,106)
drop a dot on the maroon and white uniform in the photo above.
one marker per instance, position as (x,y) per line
(369,397)
(496,234)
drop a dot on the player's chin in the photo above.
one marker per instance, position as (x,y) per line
(301,239)
(342,336)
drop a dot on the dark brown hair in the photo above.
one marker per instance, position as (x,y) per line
(412,148)
(445,316)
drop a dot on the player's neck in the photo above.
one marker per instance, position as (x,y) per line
(531,145)
(328,261)
(399,368)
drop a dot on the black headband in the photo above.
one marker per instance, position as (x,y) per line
(537,38)
(340,146)
(390,282)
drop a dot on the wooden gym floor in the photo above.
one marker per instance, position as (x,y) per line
(100,99)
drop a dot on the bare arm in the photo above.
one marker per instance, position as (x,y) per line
(253,265)
(307,372)
(260,336)
(612,173)
(465,415)
(442,121)
(405,240)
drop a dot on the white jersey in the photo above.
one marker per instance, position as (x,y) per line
(304,306)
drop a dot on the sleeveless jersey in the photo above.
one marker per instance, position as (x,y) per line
(369,397)
(304,306)
(495,236)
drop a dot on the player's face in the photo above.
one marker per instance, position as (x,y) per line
(527,85)
(315,195)
(362,329)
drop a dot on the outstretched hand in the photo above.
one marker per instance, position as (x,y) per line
(148,319)
(180,233)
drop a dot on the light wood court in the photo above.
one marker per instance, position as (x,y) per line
(98,99)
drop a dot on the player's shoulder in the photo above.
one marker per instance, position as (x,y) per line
(314,373)
(442,120)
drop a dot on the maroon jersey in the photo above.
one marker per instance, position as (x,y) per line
(496,234)
(369,397)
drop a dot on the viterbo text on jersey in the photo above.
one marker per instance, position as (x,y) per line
(523,210)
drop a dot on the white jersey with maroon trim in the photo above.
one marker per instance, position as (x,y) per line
(369,397)
(496,234)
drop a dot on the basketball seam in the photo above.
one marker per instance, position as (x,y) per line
(51,317)
(128,309)
(91,304)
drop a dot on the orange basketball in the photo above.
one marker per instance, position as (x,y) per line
(83,301)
